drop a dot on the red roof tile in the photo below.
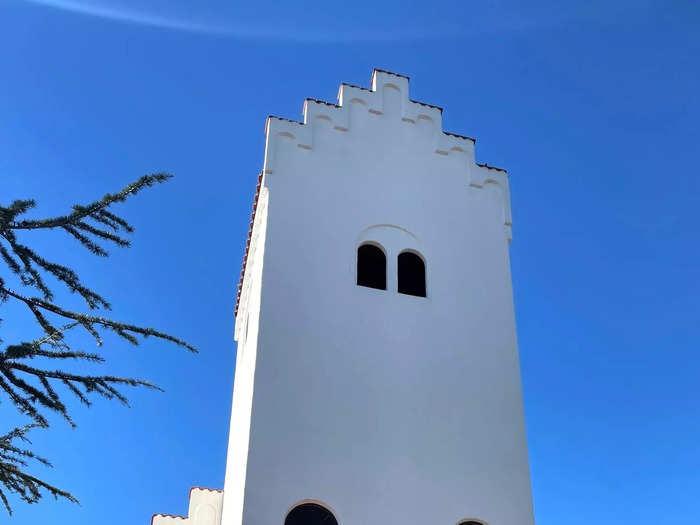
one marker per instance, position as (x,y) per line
(247,245)
(167,516)
(484,165)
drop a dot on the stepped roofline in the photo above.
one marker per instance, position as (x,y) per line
(413,112)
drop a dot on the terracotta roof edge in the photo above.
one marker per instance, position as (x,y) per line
(487,166)
(204,488)
(154,516)
(286,119)
(377,70)
(321,102)
(426,104)
(460,136)
(247,248)
(356,87)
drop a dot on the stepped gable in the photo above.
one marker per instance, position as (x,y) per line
(337,117)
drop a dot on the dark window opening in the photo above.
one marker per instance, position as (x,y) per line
(411,274)
(310,514)
(371,267)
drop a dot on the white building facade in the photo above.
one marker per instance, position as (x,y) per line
(379,402)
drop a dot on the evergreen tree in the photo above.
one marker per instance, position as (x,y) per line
(30,372)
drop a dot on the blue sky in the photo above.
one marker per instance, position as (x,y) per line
(593,107)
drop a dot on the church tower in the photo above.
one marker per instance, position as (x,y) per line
(377,375)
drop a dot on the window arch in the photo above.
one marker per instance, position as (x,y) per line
(310,514)
(411,274)
(371,266)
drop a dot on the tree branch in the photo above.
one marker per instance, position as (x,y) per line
(80,212)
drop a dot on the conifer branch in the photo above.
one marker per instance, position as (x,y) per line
(85,241)
(119,241)
(14,479)
(79,212)
(33,375)
(126,331)
(116,219)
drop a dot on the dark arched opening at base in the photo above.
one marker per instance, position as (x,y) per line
(310,514)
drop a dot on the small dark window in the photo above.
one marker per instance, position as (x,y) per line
(310,514)
(371,267)
(411,274)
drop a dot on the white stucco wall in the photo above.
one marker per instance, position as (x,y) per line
(385,407)
(204,509)
(247,331)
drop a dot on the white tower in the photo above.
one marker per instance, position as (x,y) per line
(379,405)
(383,407)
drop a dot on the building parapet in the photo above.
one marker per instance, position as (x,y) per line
(388,96)
(204,509)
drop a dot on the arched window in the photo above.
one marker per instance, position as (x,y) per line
(371,267)
(310,514)
(411,274)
